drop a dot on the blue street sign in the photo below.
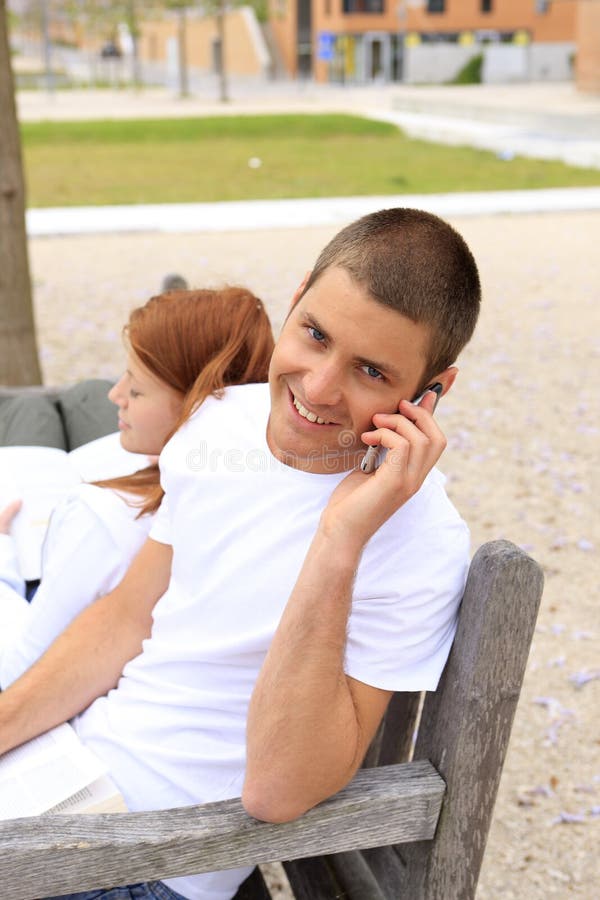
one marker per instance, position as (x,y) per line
(325,45)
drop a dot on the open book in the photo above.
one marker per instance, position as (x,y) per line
(42,476)
(55,773)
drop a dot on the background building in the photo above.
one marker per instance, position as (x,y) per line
(419,41)
(246,53)
(588,45)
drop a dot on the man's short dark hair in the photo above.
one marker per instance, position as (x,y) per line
(417,264)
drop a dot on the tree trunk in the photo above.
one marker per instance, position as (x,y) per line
(18,351)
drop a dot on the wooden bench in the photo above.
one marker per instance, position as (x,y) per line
(415,830)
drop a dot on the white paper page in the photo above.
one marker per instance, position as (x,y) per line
(46,770)
(40,477)
(101,796)
(105,458)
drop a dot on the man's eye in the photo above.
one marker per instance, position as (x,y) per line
(372,372)
(133,393)
(316,334)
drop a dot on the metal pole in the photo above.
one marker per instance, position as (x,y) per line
(223,92)
(46,46)
(182,53)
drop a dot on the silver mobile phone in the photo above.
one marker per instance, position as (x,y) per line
(369,460)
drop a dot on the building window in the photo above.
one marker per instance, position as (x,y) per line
(436,6)
(363,6)
(486,6)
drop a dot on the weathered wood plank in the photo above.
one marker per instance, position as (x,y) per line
(393,740)
(389,870)
(253,888)
(355,877)
(465,725)
(400,724)
(348,875)
(465,728)
(313,879)
(59,854)
(343,876)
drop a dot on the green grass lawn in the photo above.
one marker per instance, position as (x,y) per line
(192,160)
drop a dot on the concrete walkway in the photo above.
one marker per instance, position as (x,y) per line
(264,214)
(546,121)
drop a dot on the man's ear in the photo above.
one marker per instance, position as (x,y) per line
(446,378)
(299,291)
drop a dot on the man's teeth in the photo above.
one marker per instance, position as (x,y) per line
(306,414)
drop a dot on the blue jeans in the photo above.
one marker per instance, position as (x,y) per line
(151,890)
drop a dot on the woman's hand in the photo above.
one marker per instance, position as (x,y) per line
(7,515)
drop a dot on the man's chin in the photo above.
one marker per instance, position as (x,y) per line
(324,461)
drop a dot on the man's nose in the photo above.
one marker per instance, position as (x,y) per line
(323,385)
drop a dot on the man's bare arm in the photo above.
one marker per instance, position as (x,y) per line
(88,658)
(309,725)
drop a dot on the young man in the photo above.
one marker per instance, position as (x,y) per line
(284,594)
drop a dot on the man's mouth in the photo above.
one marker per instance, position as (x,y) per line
(307,414)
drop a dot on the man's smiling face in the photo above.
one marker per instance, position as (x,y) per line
(341,358)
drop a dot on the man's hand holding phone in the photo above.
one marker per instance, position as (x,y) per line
(413,442)
(369,461)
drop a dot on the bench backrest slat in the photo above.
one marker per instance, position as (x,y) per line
(464,730)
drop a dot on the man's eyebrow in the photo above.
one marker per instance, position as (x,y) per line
(384,368)
(309,319)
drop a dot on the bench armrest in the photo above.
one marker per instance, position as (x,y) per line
(54,854)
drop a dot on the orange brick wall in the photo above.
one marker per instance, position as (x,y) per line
(282,18)
(587,66)
(557,24)
(240,54)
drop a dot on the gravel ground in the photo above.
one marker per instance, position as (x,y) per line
(523,424)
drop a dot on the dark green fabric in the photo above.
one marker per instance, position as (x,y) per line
(87,412)
(27,420)
(65,419)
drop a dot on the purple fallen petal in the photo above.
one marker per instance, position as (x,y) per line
(565,818)
(585,545)
(580,679)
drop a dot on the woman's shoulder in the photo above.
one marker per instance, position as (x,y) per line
(91,506)
(246,398)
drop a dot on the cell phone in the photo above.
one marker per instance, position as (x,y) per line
(369,460)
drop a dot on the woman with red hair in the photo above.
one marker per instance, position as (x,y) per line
(182,347)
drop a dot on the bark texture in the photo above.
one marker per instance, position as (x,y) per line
(19,364)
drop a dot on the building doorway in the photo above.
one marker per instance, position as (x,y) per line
(377,57)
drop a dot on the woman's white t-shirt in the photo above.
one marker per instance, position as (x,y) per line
(240,523)
(92,537)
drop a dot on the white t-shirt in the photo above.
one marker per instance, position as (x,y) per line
(9,566)
(173,731)
(92,537)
